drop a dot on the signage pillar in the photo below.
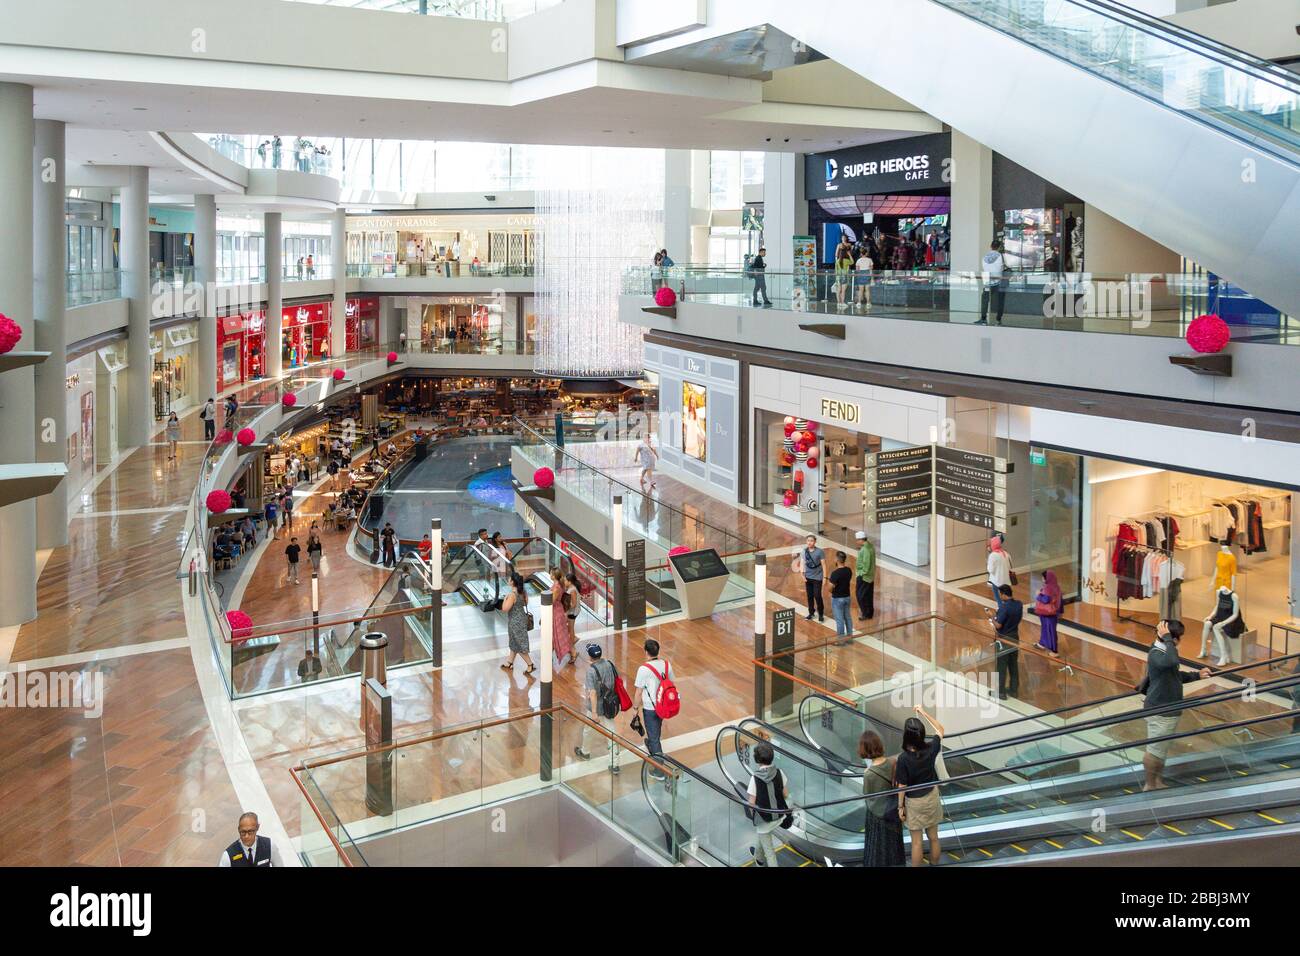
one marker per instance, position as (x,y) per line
(760,629)
(782,660)
(617,547)
(272,348)
(934,569)
(547,652)
(435,593)
(315,614)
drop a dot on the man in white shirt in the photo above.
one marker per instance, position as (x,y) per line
(994,266)
(250,849)
(648,677)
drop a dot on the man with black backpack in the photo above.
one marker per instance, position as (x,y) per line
(769,797)
(654,701)
(602,702)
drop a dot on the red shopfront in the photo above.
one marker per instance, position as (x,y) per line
(305,334)
(363,323)
(241,348)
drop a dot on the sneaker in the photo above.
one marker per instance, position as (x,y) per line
(821,618)
(757,861)
(581,754)
(810,615)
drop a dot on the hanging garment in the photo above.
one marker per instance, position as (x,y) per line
(1125,534)
(1171,601)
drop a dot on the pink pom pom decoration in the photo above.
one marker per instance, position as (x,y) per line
(801,448)
(241,625)
(1208,334)
(289,400)
(788,499)
(665,298)
(218,501)
(392,358)
(543,477)
(224,437)
(10,333)
(338,374)
(680,549)
(789,429)
(789,419)
(812,426)
(246,436)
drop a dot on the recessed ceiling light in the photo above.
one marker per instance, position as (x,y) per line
(140,109)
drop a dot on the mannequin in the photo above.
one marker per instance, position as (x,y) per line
(1226,622)
(1225,568)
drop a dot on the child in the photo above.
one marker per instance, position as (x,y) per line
(769,794)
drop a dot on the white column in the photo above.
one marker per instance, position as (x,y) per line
(972,215)
(273,244)
(17,388)
(339,256)
(134,245)
(677,204)
(49,313)
(205,274)
(785,208)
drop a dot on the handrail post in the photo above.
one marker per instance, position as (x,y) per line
(435,593)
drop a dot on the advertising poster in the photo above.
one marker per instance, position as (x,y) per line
(88,427)
(805,266)
(695,420)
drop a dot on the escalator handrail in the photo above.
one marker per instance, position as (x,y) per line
(772,729)
(1251,136)
(1175,707)
(843,706)
(1098,751)
(1190,39)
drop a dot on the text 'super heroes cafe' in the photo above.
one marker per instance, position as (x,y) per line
(900,165)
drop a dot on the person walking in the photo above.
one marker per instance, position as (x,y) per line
(518,624)
(388,540)
(1162,686)
(994,267)
(601,701)
(646,457)
(232,409)
(841,602)
(920,808)
(292,552)
(208,415)
(1047,605)
(173,435)
(314,547)
(561,635)
(811,562)
(863,269)
(769,805)
(1006,646)
(286,508)
(269,512)
(883,845)
(651,677)
(866,569)
(758,271)
(999,567)
(250,849)
(499,555)
(309,667)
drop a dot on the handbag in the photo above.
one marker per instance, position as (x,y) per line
(529,621)
(1014,580)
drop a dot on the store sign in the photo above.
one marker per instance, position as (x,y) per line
(850,413)
(305,314)
(901,165)
(693,366)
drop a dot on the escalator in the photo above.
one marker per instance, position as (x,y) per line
(1189,141)
(1044,791)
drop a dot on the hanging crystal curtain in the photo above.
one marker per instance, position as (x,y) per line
(600,211)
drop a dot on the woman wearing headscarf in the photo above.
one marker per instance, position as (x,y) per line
(999,567)
(1047,605)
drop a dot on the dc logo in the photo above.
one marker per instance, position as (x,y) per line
(832,170)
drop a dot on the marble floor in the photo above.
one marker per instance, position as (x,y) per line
(149,779)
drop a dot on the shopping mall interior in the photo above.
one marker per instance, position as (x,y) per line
(699,434)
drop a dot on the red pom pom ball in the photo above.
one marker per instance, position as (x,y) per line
(1208,334)
(241,625)
(680,549)
(665,298)
(246,436)
(289,400)
(218,501)
(224,437)
(10,333)
(543,477)
(338,374)
(392,358)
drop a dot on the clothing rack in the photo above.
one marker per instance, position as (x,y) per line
(1114,540)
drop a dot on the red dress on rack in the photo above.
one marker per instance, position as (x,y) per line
(1125,534)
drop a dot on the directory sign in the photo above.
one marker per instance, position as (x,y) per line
(898,484)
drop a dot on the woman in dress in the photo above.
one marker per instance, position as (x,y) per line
(574,607)
(561,638)
(1047,605)
(515,607)
(173,435)
(884,831)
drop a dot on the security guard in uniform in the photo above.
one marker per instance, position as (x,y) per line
(250,849)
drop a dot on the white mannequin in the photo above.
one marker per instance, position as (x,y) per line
(1221,640)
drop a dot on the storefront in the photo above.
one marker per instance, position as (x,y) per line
(699,423)
(893,196)
(1039,224)
(179,344)
(448,245)
(80,405)
(1132,543)
(819,485)
(241,348)
(474,324)
(362,323)
(305,334)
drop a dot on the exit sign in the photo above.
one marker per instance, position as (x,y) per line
(1037,456)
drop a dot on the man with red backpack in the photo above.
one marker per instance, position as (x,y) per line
(656,701)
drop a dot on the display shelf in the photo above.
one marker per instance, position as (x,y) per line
(26,481)
(12,360)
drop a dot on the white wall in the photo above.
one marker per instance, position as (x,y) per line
(1112,248)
